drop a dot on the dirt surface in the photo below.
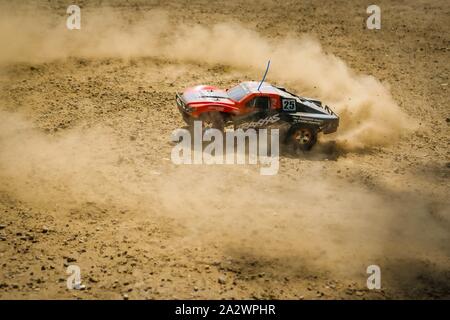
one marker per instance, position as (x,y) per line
(87,180)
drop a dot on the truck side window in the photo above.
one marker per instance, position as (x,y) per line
(260,103)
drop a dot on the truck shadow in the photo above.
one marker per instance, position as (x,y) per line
(322,151)
(328,150)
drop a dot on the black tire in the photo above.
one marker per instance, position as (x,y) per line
(212,119)
(188,120)
(302,137)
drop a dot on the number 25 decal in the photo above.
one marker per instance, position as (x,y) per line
(288,104)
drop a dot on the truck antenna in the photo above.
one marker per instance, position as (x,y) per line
(265,74)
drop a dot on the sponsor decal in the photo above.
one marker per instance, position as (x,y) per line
(261,122)
(307,120)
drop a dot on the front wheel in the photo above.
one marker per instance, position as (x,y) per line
(302,137)
(212,120)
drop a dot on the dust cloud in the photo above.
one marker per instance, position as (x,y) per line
(369,114)
(317,222)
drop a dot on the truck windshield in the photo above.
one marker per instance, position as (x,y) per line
(237,93)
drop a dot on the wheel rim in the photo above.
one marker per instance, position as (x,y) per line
(303,136)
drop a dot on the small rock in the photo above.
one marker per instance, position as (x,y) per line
(93,280)
(125,296)
(2,226)
(222,279)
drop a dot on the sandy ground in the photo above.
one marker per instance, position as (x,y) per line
(86,176)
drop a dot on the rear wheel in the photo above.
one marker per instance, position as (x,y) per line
(302,137)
